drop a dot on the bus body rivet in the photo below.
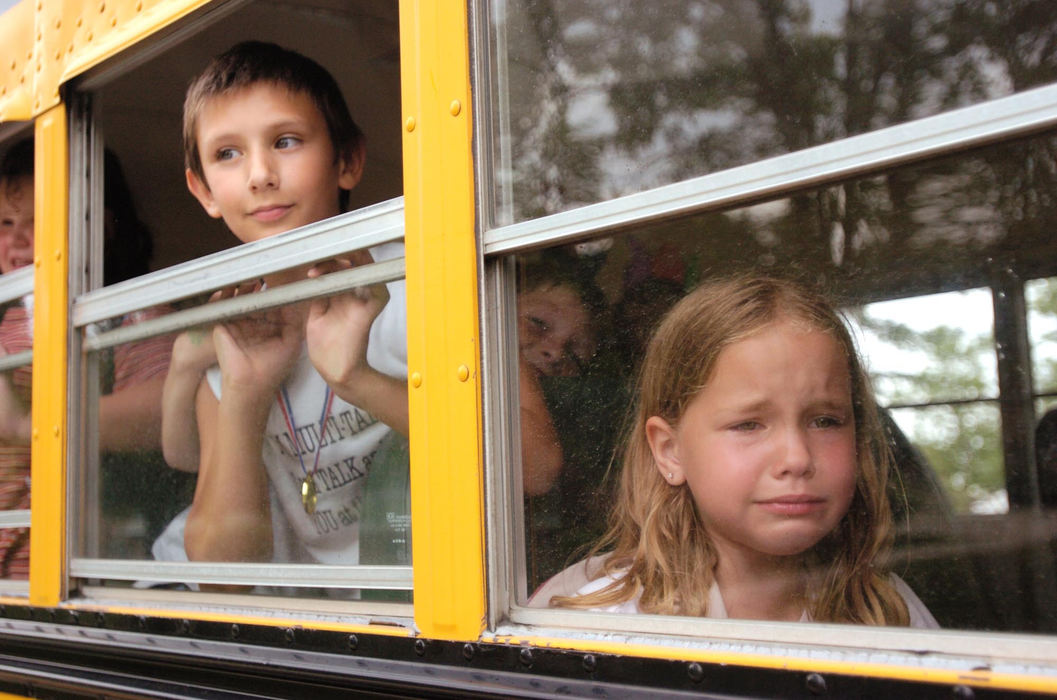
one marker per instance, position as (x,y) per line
(234,631)
(36,434)
(289,634)
(420,647)
(455,108)
(409,124)
(55,430)
(526,657)
(696,672)
(185,627)
(463,373)
(58,255)
(36,262)
(354,642)
(467,651)
(590,663)
(815,683)
(963,692)
(416,379)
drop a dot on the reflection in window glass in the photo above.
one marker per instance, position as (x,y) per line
(16,335)
(932,361)
(602,99)
(929,261)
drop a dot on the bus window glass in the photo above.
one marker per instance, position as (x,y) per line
(594,100)
(932,360)
(323,481)
(16,344)
(932,266)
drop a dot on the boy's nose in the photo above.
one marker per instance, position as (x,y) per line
(262,174)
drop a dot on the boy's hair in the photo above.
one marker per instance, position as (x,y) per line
(661,549)
(252,62)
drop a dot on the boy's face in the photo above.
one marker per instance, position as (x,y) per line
(268,161)
(16,224)
(554,330)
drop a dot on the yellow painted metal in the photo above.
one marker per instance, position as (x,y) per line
(443,331)
(48,42)
(50,308)
(16,68)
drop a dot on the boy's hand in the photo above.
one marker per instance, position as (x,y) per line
(256,352)
(338,327)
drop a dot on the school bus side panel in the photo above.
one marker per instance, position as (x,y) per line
(443,332)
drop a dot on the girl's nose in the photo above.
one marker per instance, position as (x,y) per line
(796,460)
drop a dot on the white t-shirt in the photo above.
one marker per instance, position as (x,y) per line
(919,615)
(345,449)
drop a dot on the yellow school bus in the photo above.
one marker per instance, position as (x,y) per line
(902,155)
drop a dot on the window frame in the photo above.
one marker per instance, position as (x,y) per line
(1006,118)
(91,303)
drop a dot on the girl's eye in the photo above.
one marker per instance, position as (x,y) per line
(827,422)
(538,323)
(746,426)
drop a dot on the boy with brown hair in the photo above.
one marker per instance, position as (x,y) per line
(290,418)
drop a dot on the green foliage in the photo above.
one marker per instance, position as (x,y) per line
(961,441)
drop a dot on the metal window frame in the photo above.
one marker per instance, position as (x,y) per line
(366,227)
(1018,115)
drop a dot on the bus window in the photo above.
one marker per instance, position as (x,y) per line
(943,267)
(326,480)
(597,101)
(16,346)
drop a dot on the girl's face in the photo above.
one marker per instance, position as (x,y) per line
(767,448)
(554,332)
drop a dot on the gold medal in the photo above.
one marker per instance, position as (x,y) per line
(308,494)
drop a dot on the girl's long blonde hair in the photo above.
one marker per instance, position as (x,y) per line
(660,550)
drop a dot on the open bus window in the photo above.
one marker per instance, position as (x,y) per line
(152,507)
(943,265)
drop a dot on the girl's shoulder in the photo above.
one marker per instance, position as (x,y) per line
(920,616)
(627,607)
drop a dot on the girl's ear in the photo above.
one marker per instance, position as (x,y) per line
(201,192)
(351,167)
(664,445)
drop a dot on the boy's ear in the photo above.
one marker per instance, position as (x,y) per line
(201,192)
(664,445)
(350,167)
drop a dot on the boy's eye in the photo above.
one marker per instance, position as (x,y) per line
(225,154)
(746,426)
(538,323)
(287,142)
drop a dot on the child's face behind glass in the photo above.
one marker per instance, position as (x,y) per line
(268,161)
(16,224)
(767,448)
(554,332)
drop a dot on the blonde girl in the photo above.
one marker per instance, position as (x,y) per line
(754,474)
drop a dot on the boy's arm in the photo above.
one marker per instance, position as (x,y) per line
(130,419)
(541,453)
(192,355)
(230,518)
(337,334)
